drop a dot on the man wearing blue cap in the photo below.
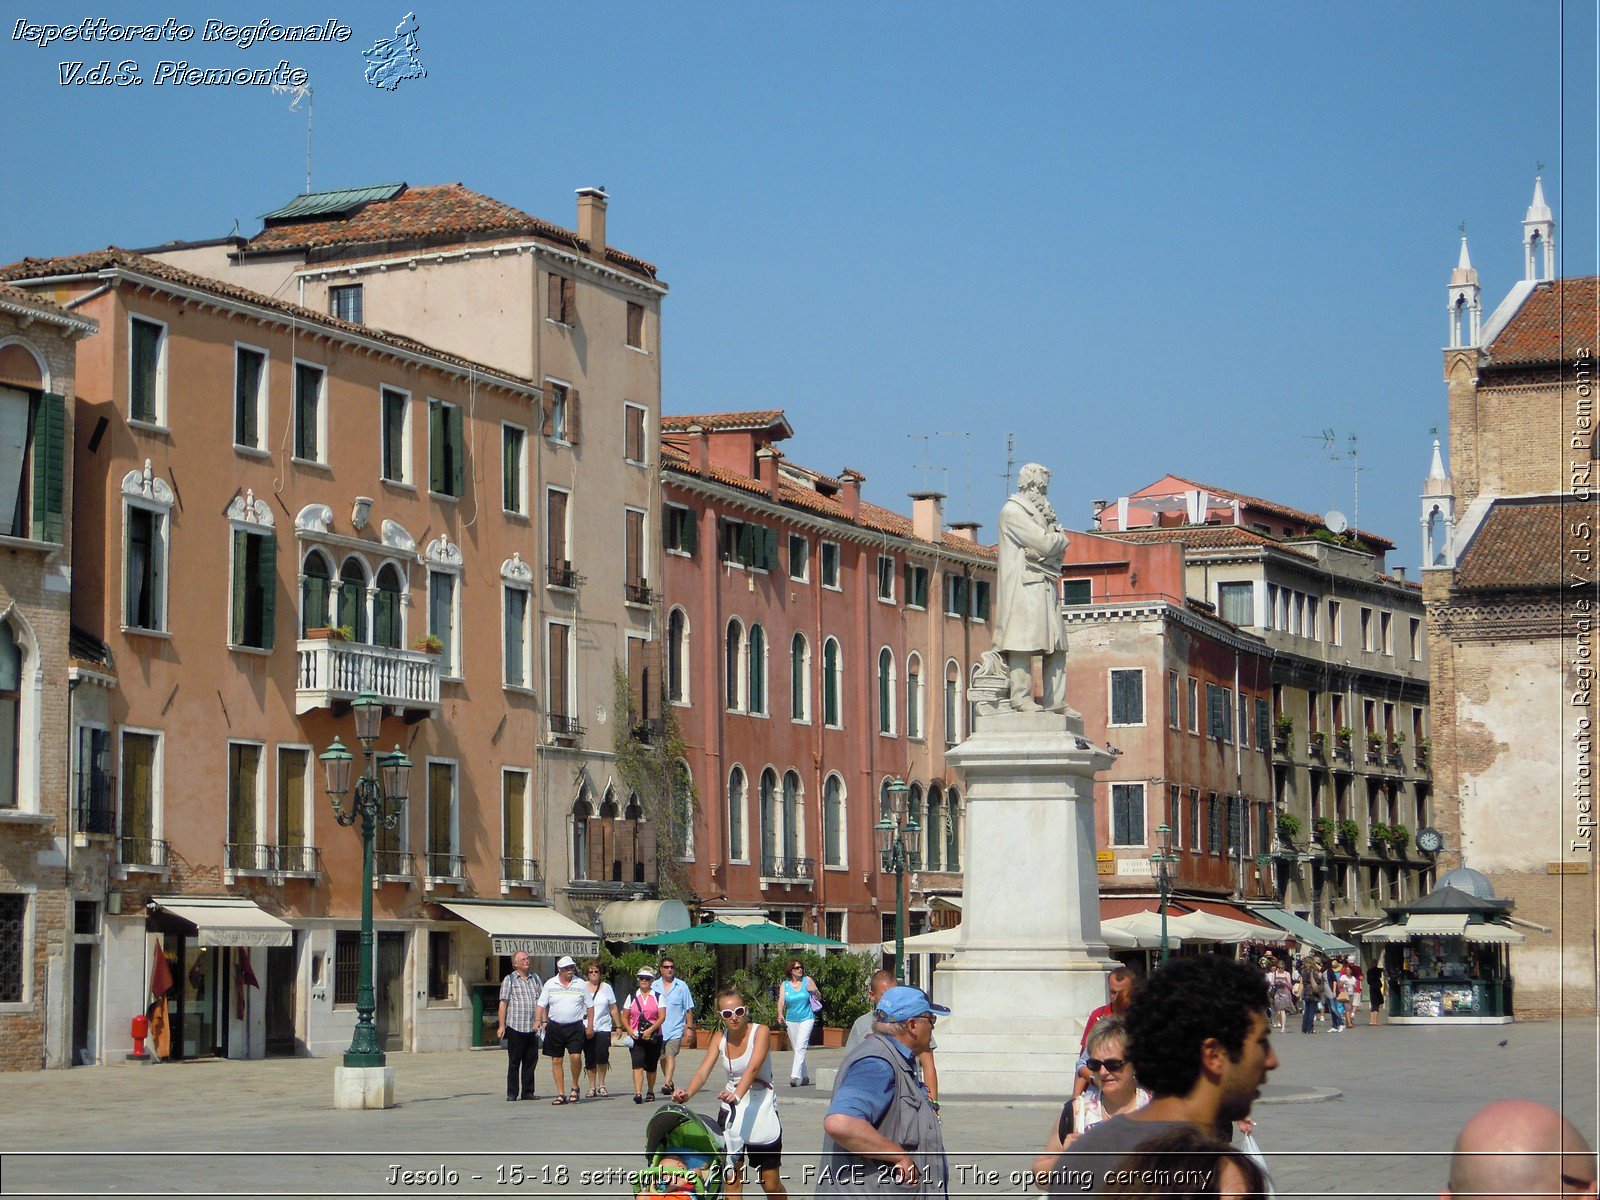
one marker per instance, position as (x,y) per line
(882,1134)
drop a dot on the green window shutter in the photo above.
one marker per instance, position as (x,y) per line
(241,580)
(691,533)
(436,479)
(455,436)
(49,467)
(772,549)
(267,580)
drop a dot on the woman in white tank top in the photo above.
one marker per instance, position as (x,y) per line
(749,1104)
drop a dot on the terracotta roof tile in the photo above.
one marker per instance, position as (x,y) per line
(14,295)
(1519,545)
(431,212)
(115,258)
(1203,537)
(1282,510)
(1557,319)
(759,419)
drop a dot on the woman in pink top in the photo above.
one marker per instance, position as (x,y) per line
(644,1016)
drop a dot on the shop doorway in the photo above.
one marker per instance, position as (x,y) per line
(280,991)
(391,991)
(201,986)
(82,1002)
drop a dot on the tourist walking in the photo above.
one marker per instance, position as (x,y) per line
(1331,994)
(1198,1036)
(751,1131)
(878,983)
(517,1027)
(1375,993)
(1119,991)
(601,1002)
(1310,996)
(1281,988)
(799,1002)
(563,1017)
(679,1007)
(642,1017)
(882,1135)
(1115,1091)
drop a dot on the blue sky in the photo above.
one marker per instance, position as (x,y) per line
(1143,238)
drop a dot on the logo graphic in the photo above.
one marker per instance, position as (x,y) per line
(393,59)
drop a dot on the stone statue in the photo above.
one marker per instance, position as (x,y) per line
(1028,608)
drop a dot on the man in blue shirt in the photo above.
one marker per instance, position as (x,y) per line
(882,1131)
(678,1006)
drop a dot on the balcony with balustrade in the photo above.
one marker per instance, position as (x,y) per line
(330,671)
(776,868)
(523,875)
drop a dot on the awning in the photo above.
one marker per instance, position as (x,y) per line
(1385,933)
(533,928)
(1208,927)
(227,921)
(1145,929)
(627,920)
(1436,924)
(1305,931)
(1500,934)
(736,916)
(945,902)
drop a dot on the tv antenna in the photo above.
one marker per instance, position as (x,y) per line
(926,466)
(1330,450)
(966,457)
(1355,469)
(300,91)
(1011,463)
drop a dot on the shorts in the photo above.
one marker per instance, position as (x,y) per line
(760,1158)
(597,1049)
(563,1038)
(670,1047)
(645,1054)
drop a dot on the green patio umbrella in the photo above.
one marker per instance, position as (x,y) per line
(720,933)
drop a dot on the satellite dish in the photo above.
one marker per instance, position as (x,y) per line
(1335,521)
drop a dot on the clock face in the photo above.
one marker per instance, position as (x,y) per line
(1428,840)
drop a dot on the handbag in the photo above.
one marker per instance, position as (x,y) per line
(816,1000)
(622,1038)
(754,1122)
(1251,1150)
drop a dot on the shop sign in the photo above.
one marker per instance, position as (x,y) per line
(1134,866)
(1566,868)
(553,947)
(1104,856)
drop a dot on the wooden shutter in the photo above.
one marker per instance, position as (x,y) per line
(547,408)
(556,702)
(455,438)
(653,678)
(638,679)
(267,581)
(241,584)
(49,467)
(436,479)
(552,303)
(513,814)
(292,797)
(555,534)
(633,546)
(691,532)
(574,416)
(569,301)
(599,842)
(644,849)
(771,549)
(138,770)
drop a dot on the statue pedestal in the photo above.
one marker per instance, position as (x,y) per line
(1030,964)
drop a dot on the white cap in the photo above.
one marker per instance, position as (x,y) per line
(565,961)
(645,973)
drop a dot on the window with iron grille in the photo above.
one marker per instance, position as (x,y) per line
(13,911)
(346,965)
(833,926)
(346,303)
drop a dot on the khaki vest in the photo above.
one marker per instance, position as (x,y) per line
(910,1122)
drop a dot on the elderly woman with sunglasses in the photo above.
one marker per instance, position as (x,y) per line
(749,1114)
(1114,1092)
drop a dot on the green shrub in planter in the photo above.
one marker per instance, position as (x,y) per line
(1288,826)
(1349,831)
(1324,829)
(1399,837)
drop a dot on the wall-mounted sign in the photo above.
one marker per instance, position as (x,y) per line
(1105,867)
(1104,856)
(548,946)
(1134,866)
(1566,868)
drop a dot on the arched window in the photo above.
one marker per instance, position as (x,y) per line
(581,812)
(733,663)
(833,824)
(634,810)
(886,691)
(952,831)
(738,851)
(934,830)
(678,657)
(1436,537)
(608,805)
(353,598)
(683,809)
(914,810)
(10,717)
(315,579)
(914,697)
(832,683)
(791,819)
(756,668)
(770,826)
(387,629)
(885,802)
(952,702)
(800,678)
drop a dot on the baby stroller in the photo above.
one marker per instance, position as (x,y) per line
(676,1132)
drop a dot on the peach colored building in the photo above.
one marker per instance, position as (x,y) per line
(275,509)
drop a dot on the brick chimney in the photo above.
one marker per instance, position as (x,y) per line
(851,495)
(592,219)
(767,469)
(927,515)
(967,531)
(700,451)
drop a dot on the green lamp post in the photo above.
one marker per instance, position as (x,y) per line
(380,798)
(1163,861)
(892,830)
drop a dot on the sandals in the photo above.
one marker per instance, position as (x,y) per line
(650,1097)
(558,1101)
(637,1098)
(572,1098)
(592,1093)
(602,1090)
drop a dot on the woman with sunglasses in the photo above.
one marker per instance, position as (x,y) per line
(798,1005)
(603,1019)
(749,1114)
(1114,1092)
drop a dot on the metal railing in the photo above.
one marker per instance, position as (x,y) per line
(561,575)
(297,860)
(442,865)
(328,670)
(638,593)
(393,862)
(651,729)
(96,818)
(564,726)
(778,867)
(142,852)
(520,870)
(248,856)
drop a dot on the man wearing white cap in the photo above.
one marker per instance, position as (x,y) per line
(563,1015)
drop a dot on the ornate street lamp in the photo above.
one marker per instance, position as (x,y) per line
(380,798)
(1164,860)
(891,830)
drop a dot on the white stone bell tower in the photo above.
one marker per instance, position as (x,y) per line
(1538,237)
(1438,517)
(1466,302)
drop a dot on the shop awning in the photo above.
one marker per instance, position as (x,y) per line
(1386,933)
(1208,927)
(227,921)
(1500,934)
(736,916)
(1305,931)
(1436,924)
(629,920)
(534,928)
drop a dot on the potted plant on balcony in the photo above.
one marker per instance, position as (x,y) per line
(1288,827)
(1317,742)
(1285,730)
(1378,836)
(1344,734)
(1424,750)
(429,643)
(1349,831)
(1324,830)
(1399,838)
(1374,743)
(330,633)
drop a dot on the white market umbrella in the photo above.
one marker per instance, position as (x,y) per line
(1209,927)
(1145,929)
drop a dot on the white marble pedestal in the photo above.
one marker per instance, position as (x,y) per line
(1030,964)
(363,1087)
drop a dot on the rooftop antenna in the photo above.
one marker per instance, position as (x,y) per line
(966,455)
(1330,447)
(300,91)
(925,466)
(1011,463)
(1355,469)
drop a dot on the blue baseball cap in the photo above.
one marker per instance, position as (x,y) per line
(903,1003)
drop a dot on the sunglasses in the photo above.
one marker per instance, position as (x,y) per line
(929,1018)
(1110,1064)
(729,1014)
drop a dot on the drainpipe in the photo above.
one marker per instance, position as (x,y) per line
(1238,785)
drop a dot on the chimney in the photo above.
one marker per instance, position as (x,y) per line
(851,496)
(967,531)
(767,469)
(1399,572)
(927,515)
(700,453)
(592,219)
(1099,506)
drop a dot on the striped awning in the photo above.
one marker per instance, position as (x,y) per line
(1436,924)
(1385,933)
(1498,934)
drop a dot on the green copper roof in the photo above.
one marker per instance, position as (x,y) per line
(339,203)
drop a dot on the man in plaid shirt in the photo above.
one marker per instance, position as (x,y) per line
(519,994)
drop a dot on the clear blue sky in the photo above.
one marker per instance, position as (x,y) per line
(1144,238)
